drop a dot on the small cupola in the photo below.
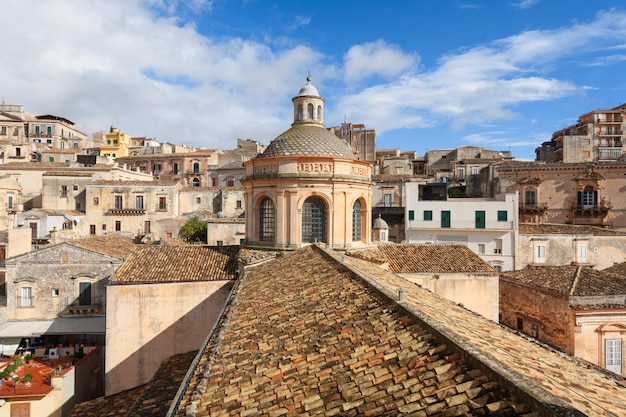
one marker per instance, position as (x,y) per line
(308,106)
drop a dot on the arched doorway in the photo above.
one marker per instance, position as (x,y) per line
(314,220)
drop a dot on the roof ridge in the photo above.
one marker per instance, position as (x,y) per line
(576,278)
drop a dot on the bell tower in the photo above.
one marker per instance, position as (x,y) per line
(308,106)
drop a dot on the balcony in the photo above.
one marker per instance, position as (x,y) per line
(84,310)
(591,215)
(609,153)
(126,212)
(533,208)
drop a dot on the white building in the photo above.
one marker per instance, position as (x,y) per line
(487,226)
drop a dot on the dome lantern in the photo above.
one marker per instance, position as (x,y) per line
(308,106)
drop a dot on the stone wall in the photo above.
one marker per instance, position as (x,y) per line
(542,315)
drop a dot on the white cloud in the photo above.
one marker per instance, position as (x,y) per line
(377,59)
(525,4)
(102,63)
(138,65)
(486,83)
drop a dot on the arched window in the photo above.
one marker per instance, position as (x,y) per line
(300,112)
(267,220)
(314,220)
(319,112)
(309,111)
(356,221)
(195,182)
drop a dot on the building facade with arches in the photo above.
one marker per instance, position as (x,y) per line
(307,186)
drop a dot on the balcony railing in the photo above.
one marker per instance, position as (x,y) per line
(533,207)
(126,212)
(609,153)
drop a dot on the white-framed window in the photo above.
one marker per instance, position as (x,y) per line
(387,200)
(481,248)
(540,253)
(474,170)
(26,297)
(581,252)
(613,355)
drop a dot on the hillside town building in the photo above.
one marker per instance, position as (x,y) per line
(597,136)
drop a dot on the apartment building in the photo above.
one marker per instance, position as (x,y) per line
(24,136)
(116,143)
(132,208)
(457,165)
(361,139)
(487,226)
(596,136)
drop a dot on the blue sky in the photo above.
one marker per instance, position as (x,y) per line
(425,74)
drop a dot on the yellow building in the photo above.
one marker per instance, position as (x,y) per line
(308,186)
(116,144)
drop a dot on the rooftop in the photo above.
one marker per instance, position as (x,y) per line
(437,258)
(151,399)
(573,280)
(549,228)
(114,245)
(305,334)
(179,263)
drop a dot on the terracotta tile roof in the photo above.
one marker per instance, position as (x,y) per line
(305,336)
(575,280)
(178,264)
(619,269)
(112,406)
(152,399)
(444,258)
(68,174)
(114,245)
(579,387)
(551,228)
(134,183)
(59,150)
(35,165)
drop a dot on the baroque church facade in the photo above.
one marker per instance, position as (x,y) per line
(307,186)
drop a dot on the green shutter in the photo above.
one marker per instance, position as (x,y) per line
(428,214)
(480,219)
(502,215)
(411,215)
(445,219)
(580,198)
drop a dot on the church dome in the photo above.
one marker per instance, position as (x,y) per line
(306,140)
(308,136)
(308,89)
(379,223)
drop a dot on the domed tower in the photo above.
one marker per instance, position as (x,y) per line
(308,186)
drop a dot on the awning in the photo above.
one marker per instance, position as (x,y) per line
(61,325)
(24,328)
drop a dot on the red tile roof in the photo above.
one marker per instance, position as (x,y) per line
(305,336)
(114,245)
(180,263)
(574,280)
(427,258)
(149,400)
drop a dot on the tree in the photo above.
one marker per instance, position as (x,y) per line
(194,230)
